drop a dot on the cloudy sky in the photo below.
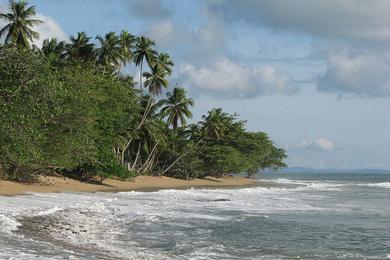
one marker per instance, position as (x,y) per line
(315,75)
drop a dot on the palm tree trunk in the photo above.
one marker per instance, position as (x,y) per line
(147,110)
(181,156)
(137,156)
(140,76)
(150,165)
(124,150)
(151,154)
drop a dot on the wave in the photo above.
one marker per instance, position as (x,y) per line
(384,185)
(316,185)
(328,185)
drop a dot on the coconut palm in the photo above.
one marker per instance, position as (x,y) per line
(52,48)
(176,107)
(20,22)
(80,48)
(126,43)
(214,125)
(165,62)
(155,80)
(144,51)
(109,54)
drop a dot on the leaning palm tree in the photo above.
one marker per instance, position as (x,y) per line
(126,43)
(165,62)
(176,107)
(144,51)
(20,20)
(109,54)
(155,81)
(80,48)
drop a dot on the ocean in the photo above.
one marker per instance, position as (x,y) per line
(296,216)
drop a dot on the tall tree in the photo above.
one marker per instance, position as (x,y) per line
(165,62)
(215,124)
(80,48)
(176,107)
(126,42)
(144,51)
(20,20)
(155,80)
(109,54)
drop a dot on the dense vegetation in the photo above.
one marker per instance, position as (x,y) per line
(67,108)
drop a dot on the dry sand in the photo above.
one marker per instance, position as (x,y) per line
(140,183)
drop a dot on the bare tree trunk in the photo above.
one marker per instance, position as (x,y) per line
(150,165)
(181,156)
(136,157)
(140,76)
(147,110)
(150,155)
(124,150)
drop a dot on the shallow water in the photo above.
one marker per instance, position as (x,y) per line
(305,216)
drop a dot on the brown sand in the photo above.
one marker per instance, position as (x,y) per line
(140,183)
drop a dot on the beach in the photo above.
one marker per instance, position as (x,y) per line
(295,216)
(140,183)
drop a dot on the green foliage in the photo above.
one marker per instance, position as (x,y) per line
(66,108)
(20,20)
(59,118)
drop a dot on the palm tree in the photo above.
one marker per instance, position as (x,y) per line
(155,80)
(126,42)
(165,62)
(215,124)
(80,48)
(20,22)
(109,54)
(176,107)
(52,48)
(144,51)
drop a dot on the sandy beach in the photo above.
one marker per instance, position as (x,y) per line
(140,183)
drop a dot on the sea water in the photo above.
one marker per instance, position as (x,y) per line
(296,216)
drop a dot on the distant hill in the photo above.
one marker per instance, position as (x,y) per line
(312,170)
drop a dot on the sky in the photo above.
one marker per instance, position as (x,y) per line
(314,75)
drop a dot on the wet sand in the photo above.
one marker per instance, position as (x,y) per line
(140,183)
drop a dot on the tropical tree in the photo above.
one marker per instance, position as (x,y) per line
(176,107)
(165,62)
(109,54)
(20,20)
(214,125)
(155,80)
(80,48)
(126,43)
(144,51)
(53,49)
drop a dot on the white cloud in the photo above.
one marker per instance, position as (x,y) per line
(227,79)
(321,144)
(364,75)
(48,29)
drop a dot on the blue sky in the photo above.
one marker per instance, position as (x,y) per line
(315,75)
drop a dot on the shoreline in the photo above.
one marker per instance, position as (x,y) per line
(139,183)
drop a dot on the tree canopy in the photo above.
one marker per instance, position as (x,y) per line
(66,108)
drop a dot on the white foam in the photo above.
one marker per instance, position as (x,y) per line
(313,185)
(384,185)
(8,224)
